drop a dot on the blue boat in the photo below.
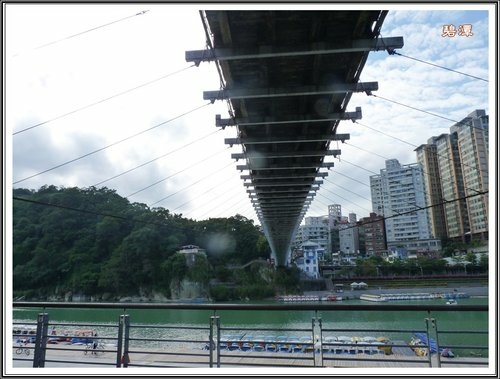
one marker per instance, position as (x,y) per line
(431,343)
(455,295)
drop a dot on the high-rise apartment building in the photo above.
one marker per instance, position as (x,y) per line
(334,214)
(472,138)
(401,199)
(349,235)
(455,167)
(452,188)
(316,230)
(334,220)
(427,157)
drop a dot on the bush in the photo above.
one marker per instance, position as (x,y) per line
(255,292)
(220,292)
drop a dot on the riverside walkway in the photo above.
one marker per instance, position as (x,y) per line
(66,356)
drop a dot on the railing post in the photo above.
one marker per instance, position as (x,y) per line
(317,339)
(210,343)
(427,319)
(217,322)
(214,346)
(320,340)
(119,342)
(313,339)
(126,325)
(42,327)
(434,324)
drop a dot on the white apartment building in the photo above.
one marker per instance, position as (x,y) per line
(349,236)
(400,198)
(335,222)
(315,230)
(334,215)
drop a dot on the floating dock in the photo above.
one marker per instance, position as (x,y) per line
(412,296)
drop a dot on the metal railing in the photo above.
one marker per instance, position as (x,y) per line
(129,344)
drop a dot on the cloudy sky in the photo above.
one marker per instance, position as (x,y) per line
(107,88)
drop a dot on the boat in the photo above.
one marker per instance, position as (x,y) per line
(305,344)
(329,344)
(331,298)
(259,343)
(385,345)
(269,343)
(374,298)
(421,345)
(455,295)
(283,345)
(451,302)
(298,298)
(24,333)
(404,296)
(307,298)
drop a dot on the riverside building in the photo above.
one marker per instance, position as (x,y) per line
(316,230)
(456,179)
(398,194)
(373,230)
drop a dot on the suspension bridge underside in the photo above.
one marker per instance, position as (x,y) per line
(288,77)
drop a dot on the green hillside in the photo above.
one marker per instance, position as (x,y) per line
(96,243)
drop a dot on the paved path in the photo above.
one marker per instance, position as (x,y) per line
(67,356)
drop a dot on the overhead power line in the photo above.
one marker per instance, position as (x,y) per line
(176,173)
(353,179)
(87,211)
(347,189)
(86,31)
(361,167)
(229,194)
(112,144)
(155,159)
(190,186)
(349,201)
(101,101)
(411,144)
(420,208)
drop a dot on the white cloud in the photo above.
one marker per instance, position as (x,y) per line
(71,74)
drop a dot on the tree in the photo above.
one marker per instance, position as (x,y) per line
(199,271)
(287,279)
(175,268)
(92,240)
(483,263)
